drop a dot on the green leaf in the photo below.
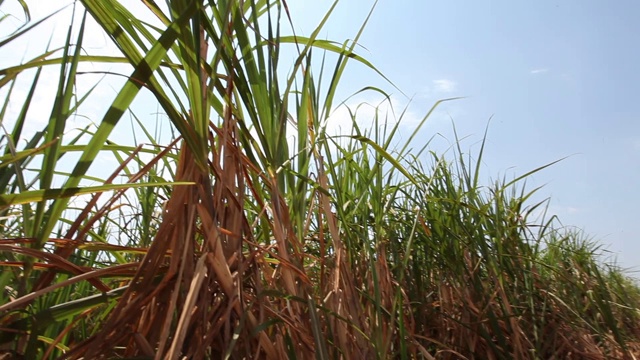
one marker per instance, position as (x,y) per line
(51,194)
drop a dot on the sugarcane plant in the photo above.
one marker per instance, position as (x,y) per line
(254,232)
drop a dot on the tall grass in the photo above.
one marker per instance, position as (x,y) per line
(233,241)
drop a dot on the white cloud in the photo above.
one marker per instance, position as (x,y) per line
(573,210)
(365,110)
(538,71)
(445,85)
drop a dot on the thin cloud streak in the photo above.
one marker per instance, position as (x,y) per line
(539,71)
(445,85)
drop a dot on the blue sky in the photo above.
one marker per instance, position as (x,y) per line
(560,79)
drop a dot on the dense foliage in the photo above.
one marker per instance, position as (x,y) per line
(255,233)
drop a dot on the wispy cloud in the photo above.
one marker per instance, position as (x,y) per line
(445,85)
(538,71)
(365,110)
(573,210)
